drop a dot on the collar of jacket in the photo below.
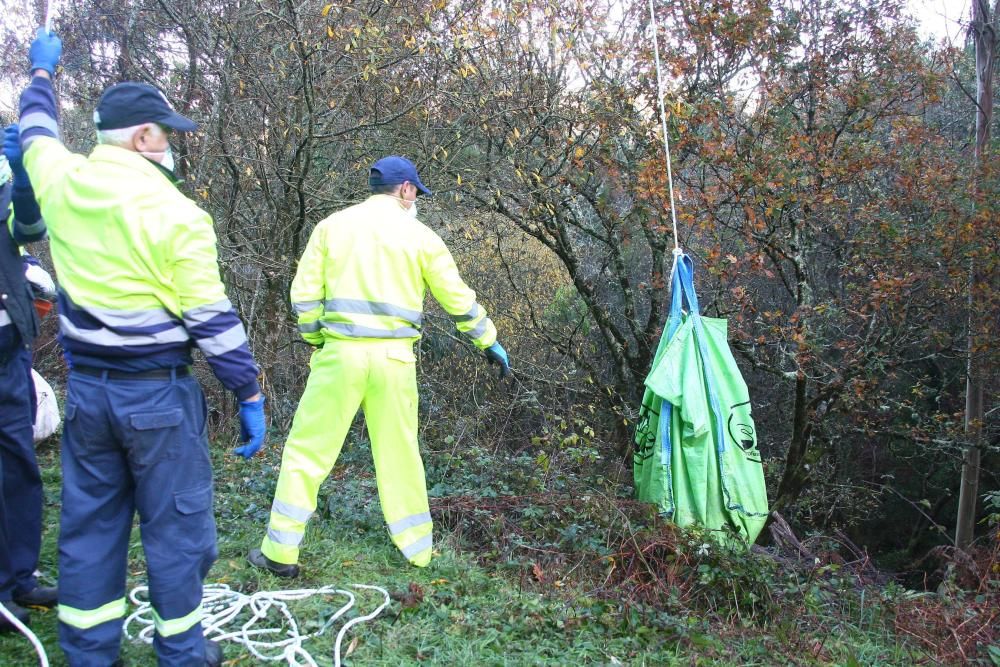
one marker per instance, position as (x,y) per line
(386,201)
(132,160)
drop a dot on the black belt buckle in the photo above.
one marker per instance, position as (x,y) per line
(152,374)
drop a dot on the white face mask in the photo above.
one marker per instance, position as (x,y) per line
(163,158)
(168,159)
(411,210)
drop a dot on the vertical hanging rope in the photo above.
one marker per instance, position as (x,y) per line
(48,16)
(663,121)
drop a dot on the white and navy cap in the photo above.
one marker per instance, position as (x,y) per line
(131,103)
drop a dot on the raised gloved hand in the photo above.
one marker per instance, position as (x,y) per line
(497,355)
(252,427)
(12,150)
(45,51)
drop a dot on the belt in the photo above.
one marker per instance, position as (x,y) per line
(154,374)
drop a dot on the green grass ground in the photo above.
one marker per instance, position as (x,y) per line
(459,611)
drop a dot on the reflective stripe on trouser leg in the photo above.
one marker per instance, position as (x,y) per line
(390,407)
(85,619)
(333,393)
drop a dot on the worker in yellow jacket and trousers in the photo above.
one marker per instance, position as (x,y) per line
(358,294)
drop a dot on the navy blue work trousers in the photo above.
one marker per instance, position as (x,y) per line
(134,445)
(21,493)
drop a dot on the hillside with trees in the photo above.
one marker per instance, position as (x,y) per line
(837,187)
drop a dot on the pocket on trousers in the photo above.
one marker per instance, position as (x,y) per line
(195,523)
(79,429)
(148,421)
(192,501)
(405,356)
(156,435)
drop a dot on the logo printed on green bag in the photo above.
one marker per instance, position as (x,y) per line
(645,433)
(741,430)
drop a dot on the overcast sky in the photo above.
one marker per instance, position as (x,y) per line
(942,19)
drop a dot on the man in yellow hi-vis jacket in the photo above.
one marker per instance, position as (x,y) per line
(359,293)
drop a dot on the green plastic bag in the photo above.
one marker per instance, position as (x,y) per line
(696,452)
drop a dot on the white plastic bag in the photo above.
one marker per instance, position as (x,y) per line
(47,417)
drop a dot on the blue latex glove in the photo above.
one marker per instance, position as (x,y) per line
(497,355)
(45,51)
(12,149)
(252,427)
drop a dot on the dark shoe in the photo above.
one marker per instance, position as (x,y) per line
(39,596)
(258,559)
(213,654)
(19,612)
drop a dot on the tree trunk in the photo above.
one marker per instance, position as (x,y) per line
(984,33)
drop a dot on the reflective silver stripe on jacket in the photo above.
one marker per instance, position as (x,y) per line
(397,527)
(301,307)
(479,329)
(229,339)
(129,318)
(363,307)
(471,315)
(202,314)
(29,229)
(107,337)
(39,119)
(359,331)
(4,318)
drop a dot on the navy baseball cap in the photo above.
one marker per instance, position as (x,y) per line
(394,170)
(131,103)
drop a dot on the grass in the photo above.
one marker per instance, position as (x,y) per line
(481,602)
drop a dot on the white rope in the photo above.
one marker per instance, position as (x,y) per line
(43,659)
(663,121)
(222,606)
(48,16)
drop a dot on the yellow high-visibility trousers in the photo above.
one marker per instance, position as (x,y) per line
(380,378)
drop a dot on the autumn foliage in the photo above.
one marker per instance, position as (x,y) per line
(820,155)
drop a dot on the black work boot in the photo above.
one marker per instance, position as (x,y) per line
(39,596)
(259,560)
(18,612)
(213,654)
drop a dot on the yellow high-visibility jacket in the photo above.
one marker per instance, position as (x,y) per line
(364,272)
(139,281)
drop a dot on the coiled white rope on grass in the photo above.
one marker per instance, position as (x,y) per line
(221,606)
(43,659)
